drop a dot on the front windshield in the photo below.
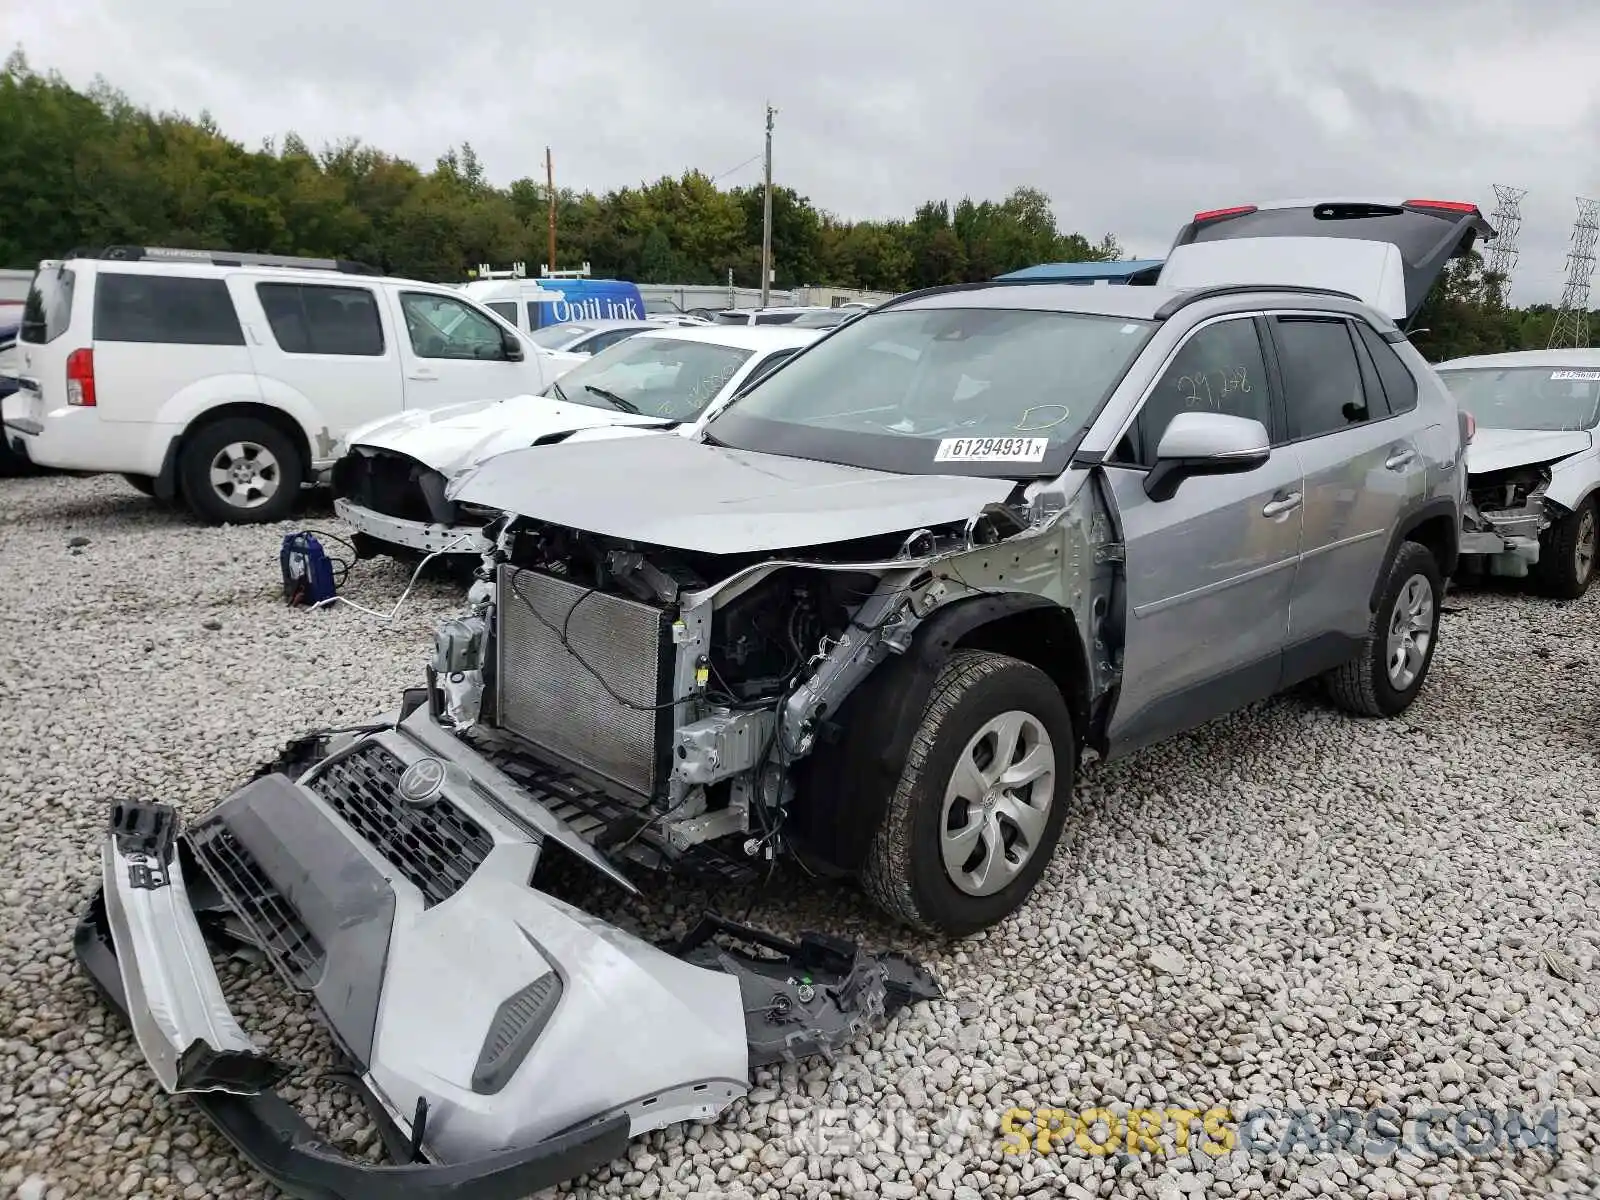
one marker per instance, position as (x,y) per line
(553,337)
(1546,397)
(653,376)
(1001,392)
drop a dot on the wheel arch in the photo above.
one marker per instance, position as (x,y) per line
(1434,525)
(845,785)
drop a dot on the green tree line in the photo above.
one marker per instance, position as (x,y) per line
(89,168)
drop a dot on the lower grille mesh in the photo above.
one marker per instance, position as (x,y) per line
(619,728)
(274,926)
(437,848)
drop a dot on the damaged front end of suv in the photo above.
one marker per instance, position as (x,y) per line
(708,703)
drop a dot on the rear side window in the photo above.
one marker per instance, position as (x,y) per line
(1399,385)
(1219,369)
(313,319)
(47,311)
(164,308)
(504,308)
(1321,377)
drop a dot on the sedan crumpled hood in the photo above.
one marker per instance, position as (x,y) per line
(452,438)
(673,491)
(1497,449)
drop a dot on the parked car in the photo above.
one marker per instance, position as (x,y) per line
(828,318)
(569,343)
(1043,508)
(532,304)
(10,319)
(772,315)
(389,484)
(1533,469)
(870,614)
(227,379)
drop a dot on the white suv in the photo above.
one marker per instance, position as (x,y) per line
(227,379)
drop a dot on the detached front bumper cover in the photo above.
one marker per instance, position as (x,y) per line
(142,944)
(165,986)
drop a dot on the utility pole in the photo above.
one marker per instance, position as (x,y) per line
(550,189)
(766,220)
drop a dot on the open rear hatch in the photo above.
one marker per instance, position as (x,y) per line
(1388,253)
(502,1039)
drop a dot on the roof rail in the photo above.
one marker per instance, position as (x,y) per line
(1195,295)
(226,258)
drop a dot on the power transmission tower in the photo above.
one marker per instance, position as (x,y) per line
(1572,319)
(766,220)
(1507,221)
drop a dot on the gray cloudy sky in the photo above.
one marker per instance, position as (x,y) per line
(1130,115)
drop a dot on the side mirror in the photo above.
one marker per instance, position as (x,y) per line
(1205,443)
(512,345)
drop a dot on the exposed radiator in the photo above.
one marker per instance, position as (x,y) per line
(551,699)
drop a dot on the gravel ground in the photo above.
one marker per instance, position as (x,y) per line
(1287,910)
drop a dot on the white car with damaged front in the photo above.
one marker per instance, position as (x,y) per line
(1533,467)
(389,483)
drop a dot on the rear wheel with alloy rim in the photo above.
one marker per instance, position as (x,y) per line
(1388,670)
(978,808)
(1567,553)
(240,470)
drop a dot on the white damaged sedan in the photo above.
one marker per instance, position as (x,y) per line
(389,482)
(1533,467)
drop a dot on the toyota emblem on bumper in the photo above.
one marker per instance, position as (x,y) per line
(420,785)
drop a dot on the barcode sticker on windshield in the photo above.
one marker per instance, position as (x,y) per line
(1004,449)
(1588,376)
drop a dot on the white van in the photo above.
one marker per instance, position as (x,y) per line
(228,379)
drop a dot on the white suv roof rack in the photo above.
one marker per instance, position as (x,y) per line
(224,258)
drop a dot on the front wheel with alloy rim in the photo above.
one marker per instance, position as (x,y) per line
(1567,554)
(240,470)
(977,811)
(1388,671)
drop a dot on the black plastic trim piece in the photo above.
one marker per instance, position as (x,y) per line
(517,1024)
(166,481)
(267,1131)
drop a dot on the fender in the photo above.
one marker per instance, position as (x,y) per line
(1438,506)
(200,397)
(1574,480)
(844,786)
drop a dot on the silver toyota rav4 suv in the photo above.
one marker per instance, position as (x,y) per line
(871,615)
(875,613)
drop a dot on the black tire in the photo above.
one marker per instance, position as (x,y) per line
(904,870)
(1562,571)
(201,450)
(1363,685)
(143,484)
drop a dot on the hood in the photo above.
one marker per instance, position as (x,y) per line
(452,438)
(673,491)
(1497,449)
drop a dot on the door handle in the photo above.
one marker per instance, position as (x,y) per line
(422,374)
(1283,504)
(1400,460)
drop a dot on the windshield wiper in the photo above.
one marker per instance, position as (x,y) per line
(560,395)
(627,406)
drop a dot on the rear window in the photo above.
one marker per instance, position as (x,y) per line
(776,318)
(314,319)
(1417,234)
(172,309)
(47,311)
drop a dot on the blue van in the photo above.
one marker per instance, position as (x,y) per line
(531,304)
